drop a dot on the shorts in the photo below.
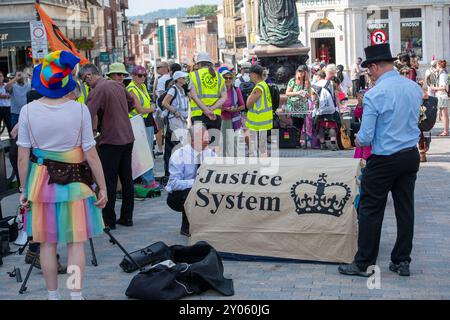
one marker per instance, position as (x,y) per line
(443,102)
(159,120)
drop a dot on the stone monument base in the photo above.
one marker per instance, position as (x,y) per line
(281,62)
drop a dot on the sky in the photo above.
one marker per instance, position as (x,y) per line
(139,7)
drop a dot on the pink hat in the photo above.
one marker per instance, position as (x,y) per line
(139,70)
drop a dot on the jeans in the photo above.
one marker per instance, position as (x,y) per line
(5,115)
(148,177)
(14,119)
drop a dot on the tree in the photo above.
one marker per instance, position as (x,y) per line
(202,10)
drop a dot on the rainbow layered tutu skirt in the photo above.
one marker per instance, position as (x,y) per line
(60,213)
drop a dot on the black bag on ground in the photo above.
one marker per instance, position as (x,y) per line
(431,113)
(188,270)
(4,242)
(150,255)
(11,225)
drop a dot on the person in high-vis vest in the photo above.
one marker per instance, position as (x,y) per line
(260,114)
(208,93)
(84,88)
(138,88)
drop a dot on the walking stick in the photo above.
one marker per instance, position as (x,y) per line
(23,288)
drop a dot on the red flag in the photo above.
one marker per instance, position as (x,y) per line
(56,39)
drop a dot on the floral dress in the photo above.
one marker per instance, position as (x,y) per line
(297,104)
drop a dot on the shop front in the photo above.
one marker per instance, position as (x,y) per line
(15,46)
(338,32)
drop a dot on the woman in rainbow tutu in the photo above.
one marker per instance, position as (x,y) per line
(58,163)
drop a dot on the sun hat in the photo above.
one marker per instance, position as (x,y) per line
(203,57)
(246,65)
(139,70)
(179,74)
(118,68)
(53,77)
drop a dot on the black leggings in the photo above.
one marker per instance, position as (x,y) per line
(298,123)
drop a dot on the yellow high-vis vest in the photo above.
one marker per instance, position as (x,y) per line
(208,88)
(144,98)
(260,117)
(84,92)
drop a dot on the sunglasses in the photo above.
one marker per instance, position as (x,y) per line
(141,75)
(228,78)
(118,74)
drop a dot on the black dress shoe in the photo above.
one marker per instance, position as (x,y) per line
(111,227)
(402,268)
(353,270)
(126,223)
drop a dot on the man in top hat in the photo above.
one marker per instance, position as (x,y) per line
(390,126)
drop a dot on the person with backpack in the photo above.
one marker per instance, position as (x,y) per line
(138,89)
(298,92)
(326,113)
(442,90)
(260,113)
(231,114)
(176,111)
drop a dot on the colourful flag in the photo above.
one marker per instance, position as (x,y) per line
(56,39)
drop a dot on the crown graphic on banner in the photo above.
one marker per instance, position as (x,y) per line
(320,197)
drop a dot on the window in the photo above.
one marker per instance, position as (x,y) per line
(171,42)
(378,15)
(410,13)
(161,41)
(411,31)
(377,27)
(325,24)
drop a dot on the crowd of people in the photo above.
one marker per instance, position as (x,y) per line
(77,120)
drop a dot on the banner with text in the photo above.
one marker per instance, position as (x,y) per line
(304,211)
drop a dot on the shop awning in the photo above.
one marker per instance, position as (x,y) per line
(15,35)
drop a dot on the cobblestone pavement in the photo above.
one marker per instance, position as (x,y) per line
(430,272)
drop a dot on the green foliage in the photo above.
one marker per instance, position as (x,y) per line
(202,10)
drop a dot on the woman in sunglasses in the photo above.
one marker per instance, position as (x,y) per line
(231,114)
(138,88)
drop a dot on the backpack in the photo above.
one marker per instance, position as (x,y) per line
(246,88)
(430,113)
(161,98)
(324,106)
(275,94)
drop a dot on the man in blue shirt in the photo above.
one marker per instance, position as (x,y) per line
(390,126)
(17,89)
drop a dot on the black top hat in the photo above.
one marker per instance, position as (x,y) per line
(380,52)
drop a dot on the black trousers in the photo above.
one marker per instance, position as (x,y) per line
(362,82)
(5,115)
(355,87)
(175,201)
(396,173)
(116,162)
(298,123)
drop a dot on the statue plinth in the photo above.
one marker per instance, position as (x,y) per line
(282,62)
(262,51)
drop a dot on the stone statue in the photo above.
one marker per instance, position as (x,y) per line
(278,23)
